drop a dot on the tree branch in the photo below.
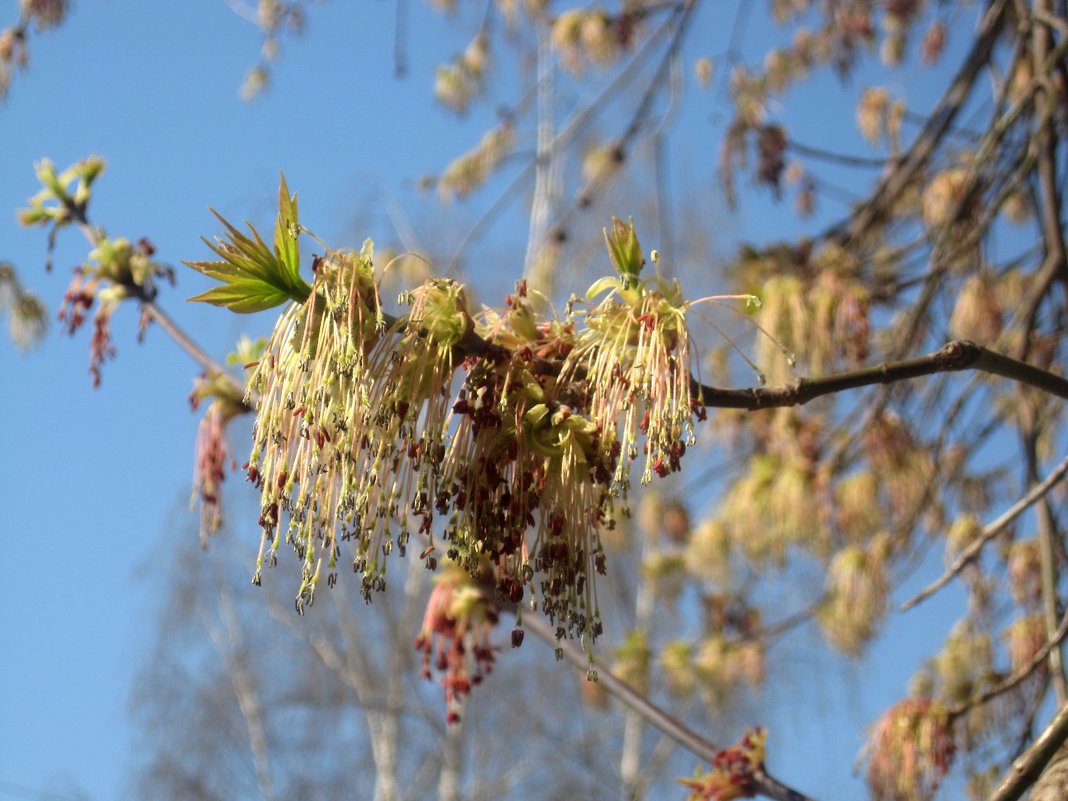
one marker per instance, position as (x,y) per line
(1045,102)
(988,533)
(891,187)
(697,745)
(1028,766)
(876,162)
(1014,680)
(958,355)
(183,340)
(680,19)
(1030,429)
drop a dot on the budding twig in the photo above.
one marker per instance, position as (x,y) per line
(988,533)
(1017,678)
(185,342)
(938,122)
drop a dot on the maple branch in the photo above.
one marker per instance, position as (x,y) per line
(960,354)
(765,784)
(1015,679)
(95,237)
(988,533)
(937,123)
(873,162)
(183,339)
(1026,768)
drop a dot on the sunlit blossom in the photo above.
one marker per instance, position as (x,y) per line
(212,457)
(360,436)
(351,419)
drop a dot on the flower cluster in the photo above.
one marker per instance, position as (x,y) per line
(470,170)
(580,35)
(351,419)
(454,639)
(458,82)
(731,775)
(28,317)
(117,268)
(14,48)
(910,751)
(212,455)
(633,356)
(857,588)
(503,443)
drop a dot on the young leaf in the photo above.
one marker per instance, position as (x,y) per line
(243,296)
(625,251)
(602,285)
(286,232)
(255,276)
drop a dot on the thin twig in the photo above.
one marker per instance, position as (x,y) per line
(503,199)
(680,20)
(697,745)
(184,341)
(95,236)
(1017,678)
(957,355)
(569,131)
(1046,136)
(1048,18)
(1047,556)
(988,533)
(877,162)
(939,121)
(771,631)
(400,40)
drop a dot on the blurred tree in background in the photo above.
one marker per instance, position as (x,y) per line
(501,439)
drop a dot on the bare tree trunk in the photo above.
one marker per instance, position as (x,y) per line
(546,176)
(385,727)
(633,725)
(451,763)
(228,643)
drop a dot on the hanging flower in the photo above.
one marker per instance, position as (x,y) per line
(857,589)
(212,454)
(350,428)
(633,359)
(910,751)
(527,477)
(358,435)
(454,639)
(731,775)
(28,320)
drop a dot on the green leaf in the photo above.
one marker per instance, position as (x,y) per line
(625,251)
(286,233)
(243,297)
(602,285)
(535,414)
(247,350)
(256,276)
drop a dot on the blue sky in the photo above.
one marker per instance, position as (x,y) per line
(94,484)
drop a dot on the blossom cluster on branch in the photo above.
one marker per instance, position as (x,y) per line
(504,440)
